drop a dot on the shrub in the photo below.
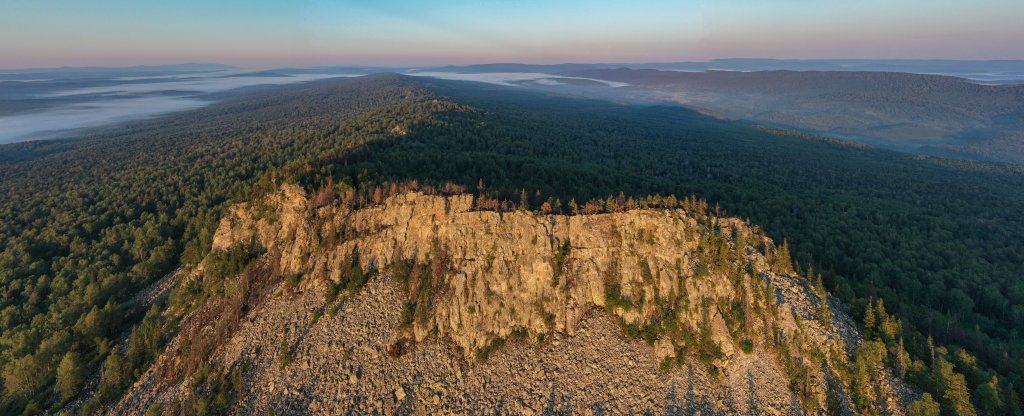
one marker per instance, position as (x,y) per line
(331,295)
(284,355)
(352,276)
(490,348)
(408,314)
(225,263)
(520,333)
(747,345)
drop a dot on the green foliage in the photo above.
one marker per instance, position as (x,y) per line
(226,263)
(93,221)
(331,294)
(352,278)
(88,223)
(613,297)
(292,281)
(867,365)
(485,352)
(708,349)
(747,345)
(956,397)
(408,314)
(520,333)
(401,272)
(423,281)
(988,397)
(112,378)
(216,393)
(782,262)
(925,406)
(941,262)
(70,375)
(285,357)
(558,262)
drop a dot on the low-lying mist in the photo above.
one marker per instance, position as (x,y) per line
(38,109)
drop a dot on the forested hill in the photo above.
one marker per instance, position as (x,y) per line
(931,114)
(937,240)
(86,224)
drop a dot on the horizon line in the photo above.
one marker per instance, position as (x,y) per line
(378,66)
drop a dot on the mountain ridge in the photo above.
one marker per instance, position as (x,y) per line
(464,270)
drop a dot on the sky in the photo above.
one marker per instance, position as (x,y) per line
(265,33)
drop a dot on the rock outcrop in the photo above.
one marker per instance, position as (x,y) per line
(477,311)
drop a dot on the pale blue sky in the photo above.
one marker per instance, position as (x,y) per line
(264,33)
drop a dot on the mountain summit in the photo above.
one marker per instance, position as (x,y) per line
(421,301)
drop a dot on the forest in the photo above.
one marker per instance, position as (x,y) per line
(86,224)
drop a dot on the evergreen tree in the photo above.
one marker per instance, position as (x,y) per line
(956,398)
(901,359)
(925,406)
(988,397)
(1012,401)
(112,377)
(70,375)
(869,320)
(782,261)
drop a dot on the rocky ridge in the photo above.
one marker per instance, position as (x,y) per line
(478,311)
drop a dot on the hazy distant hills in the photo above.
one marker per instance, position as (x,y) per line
(516,67)
(138,70)
(950,108)
(960,109)
(1002,71)
(935,114)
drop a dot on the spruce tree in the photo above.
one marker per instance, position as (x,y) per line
(869,320)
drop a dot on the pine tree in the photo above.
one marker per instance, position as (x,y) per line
(901,359)
(112,377)
(887,324)
(956,398)
(70,375)
(869,320)
(925,406)
(782,261)
(931,351)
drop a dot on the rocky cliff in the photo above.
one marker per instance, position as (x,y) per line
(426,303)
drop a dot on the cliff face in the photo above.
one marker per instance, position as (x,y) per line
(518,311)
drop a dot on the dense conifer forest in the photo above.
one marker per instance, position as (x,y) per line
(928,252)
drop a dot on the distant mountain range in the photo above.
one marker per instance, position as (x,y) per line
(994,71)
(988,70)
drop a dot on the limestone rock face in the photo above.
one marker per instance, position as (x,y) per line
(693,285)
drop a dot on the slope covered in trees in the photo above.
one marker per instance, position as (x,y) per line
(938,240)
(86,224)
(933,114)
